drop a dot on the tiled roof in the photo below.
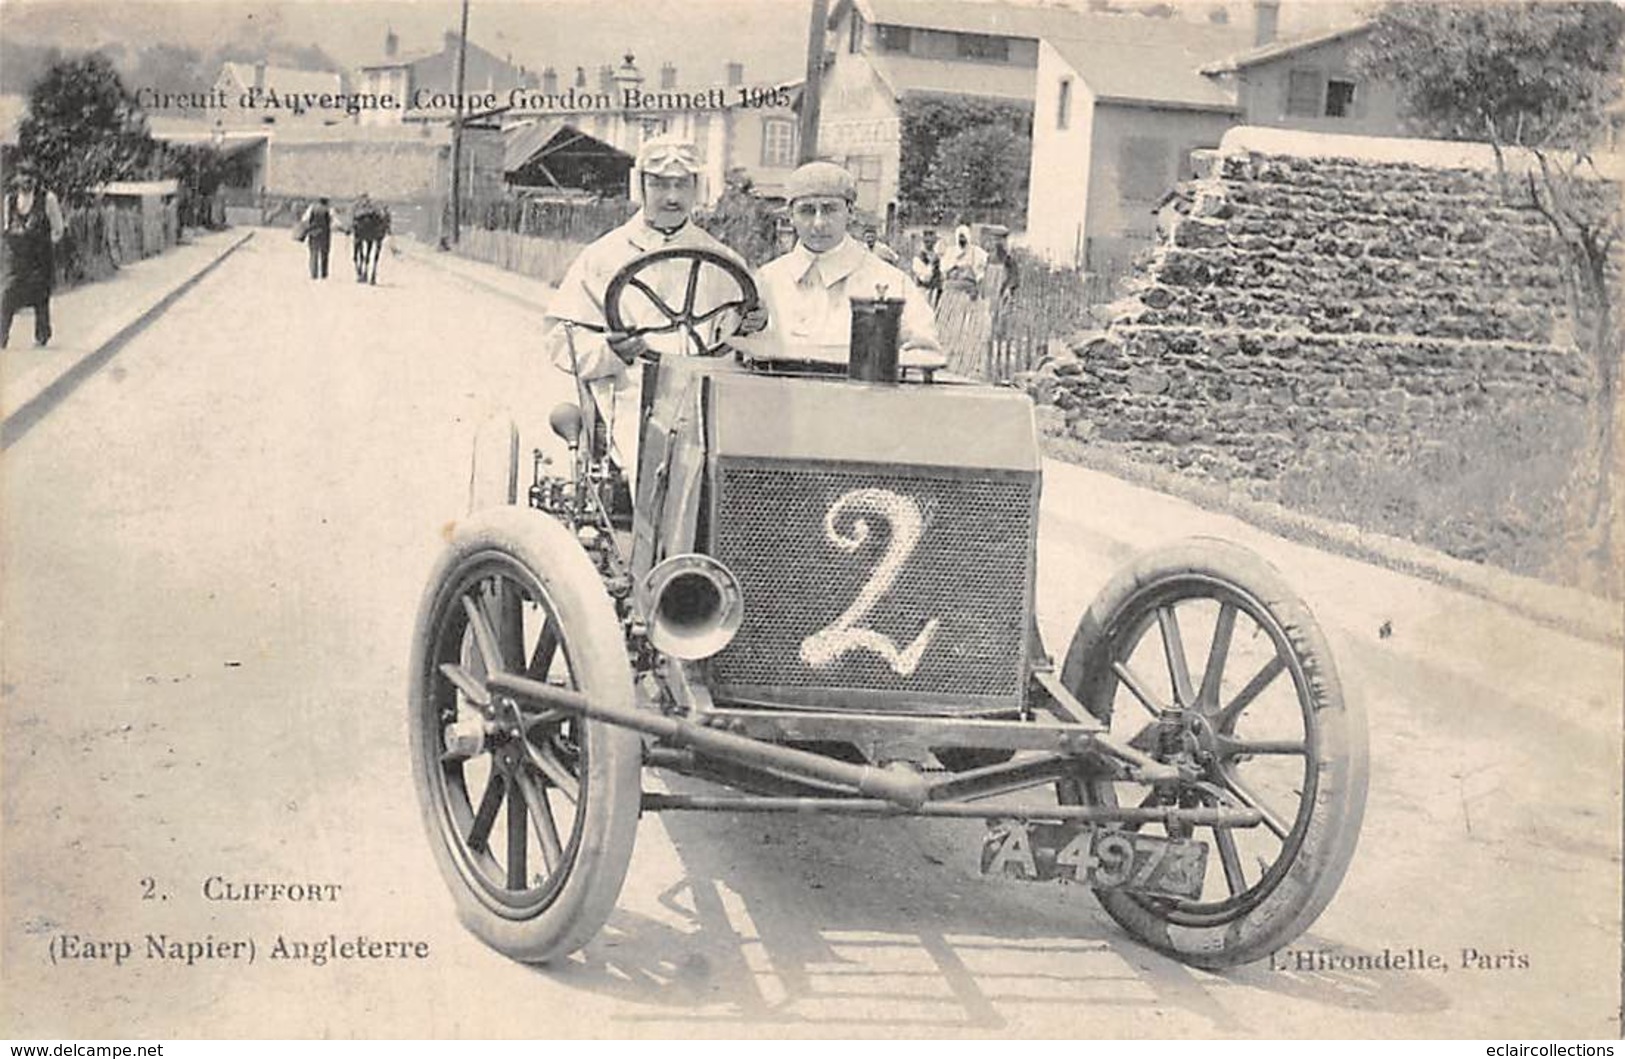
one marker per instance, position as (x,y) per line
(960,16)
(907,73)
(1163,73)
(1124,58)
(1276,49)
(1038,23)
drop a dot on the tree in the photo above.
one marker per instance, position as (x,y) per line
(743,220)
(83,129)
(1536,75)
(985,166)
(170,69)
(927,123)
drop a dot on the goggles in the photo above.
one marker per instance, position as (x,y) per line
(669,160)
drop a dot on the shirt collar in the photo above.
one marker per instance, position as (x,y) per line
(833,265)
(646,237)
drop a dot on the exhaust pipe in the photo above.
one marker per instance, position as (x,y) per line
(692,606)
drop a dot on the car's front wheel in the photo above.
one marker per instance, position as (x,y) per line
(1200,655)
(531,813)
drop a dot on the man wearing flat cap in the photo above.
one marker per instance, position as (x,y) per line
(807,291)
(33,225)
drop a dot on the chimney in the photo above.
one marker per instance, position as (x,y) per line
(451,40)
(1266,21)
(550,80)
(668,76)
(606,78)
(581,77)
(259,74)
(628,76)
(392,44)
(736,73)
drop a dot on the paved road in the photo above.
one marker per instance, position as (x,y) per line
(212,555)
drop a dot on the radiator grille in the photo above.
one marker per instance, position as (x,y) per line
(968,571)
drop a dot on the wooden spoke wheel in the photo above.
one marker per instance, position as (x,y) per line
(1199,655)
(531,813)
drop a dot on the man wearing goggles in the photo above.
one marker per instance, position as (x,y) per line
(807,291)
(667,180)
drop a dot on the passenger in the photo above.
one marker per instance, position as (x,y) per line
(807,291)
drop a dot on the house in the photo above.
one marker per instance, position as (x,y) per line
(261,94)
(1116,123)
(1311,85)
(1114,127)
(886,53)
(422,85)
(736,125)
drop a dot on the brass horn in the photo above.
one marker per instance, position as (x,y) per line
(693,606)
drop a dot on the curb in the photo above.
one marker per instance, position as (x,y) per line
(31,411)
(1568,610)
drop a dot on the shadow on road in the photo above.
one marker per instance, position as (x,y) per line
(882,927)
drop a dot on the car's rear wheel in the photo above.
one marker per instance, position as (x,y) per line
(1262,719)
(531,813)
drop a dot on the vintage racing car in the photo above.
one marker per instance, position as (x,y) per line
(821,599)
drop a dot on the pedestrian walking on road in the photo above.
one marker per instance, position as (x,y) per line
(33,226)
(317,225)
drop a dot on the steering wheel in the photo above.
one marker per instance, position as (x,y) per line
(685,319)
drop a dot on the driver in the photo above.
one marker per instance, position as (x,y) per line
(666,178)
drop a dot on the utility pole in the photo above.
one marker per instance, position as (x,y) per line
(812,87)
(457,134)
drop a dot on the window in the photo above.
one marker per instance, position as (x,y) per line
(1303,94)
(854,42)
(1339,99)
(987,49)
(865,168)
(778,143)
(894,38)
(1063,104)
(1142,169)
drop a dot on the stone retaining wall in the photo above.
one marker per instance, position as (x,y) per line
(1296,299)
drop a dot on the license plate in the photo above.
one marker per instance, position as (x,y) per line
(1102,858)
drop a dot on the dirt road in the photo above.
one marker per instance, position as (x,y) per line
(213,552)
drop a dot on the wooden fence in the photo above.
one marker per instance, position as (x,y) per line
(97,240)
(1050,304)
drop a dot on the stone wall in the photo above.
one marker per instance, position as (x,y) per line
(1333,295)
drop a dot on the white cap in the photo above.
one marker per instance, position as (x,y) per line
(668,156)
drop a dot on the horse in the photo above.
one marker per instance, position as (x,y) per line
(370,227)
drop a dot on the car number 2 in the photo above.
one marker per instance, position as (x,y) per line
(846,633)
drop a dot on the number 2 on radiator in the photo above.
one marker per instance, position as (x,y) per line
(845,634)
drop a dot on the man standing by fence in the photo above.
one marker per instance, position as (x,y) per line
(33,227)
